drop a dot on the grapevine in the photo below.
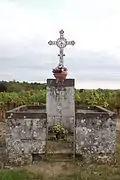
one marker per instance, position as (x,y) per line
(108,99)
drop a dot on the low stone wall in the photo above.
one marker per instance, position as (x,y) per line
(96,135)
(26,135)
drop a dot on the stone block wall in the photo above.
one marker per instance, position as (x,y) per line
(60,105)
(96,135)
(26,135)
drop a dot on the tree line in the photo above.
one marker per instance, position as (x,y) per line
(16,86)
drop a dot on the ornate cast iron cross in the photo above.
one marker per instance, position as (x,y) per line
(61,42)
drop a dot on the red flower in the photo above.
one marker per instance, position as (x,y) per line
(57,68)
(65,69)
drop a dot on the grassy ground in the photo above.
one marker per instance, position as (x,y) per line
(62,171)
(65,171)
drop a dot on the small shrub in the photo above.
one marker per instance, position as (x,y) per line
(59,131)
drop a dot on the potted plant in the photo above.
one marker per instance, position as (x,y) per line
(60,72)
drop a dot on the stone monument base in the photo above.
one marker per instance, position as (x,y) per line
(60,106)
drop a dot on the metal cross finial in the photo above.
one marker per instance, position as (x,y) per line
(61,43)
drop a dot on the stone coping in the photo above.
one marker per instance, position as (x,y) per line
(26,112)
(92,110)
(65,83)
(40,111)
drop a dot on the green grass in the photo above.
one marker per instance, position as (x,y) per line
(65,171)
(82,173)
(16,175)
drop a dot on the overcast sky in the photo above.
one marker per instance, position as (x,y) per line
(26,26)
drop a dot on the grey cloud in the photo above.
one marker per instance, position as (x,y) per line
(27,64)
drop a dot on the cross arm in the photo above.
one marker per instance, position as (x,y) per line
(71,43)
(52,42)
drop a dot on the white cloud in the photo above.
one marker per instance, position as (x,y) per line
(27,26)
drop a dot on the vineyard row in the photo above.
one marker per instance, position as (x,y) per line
(108,99)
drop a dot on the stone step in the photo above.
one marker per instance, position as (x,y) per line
(56,156)
(59,155)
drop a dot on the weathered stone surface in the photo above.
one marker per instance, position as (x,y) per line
(20,152)
(66,83)
(60,105)
(26,131)
(96,136)
(24,137)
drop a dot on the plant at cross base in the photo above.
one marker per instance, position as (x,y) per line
(59,131)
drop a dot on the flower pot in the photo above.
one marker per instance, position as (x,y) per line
(61,75)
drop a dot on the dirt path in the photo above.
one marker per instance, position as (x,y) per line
(118,125)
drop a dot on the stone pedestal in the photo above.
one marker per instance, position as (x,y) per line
(60,104)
